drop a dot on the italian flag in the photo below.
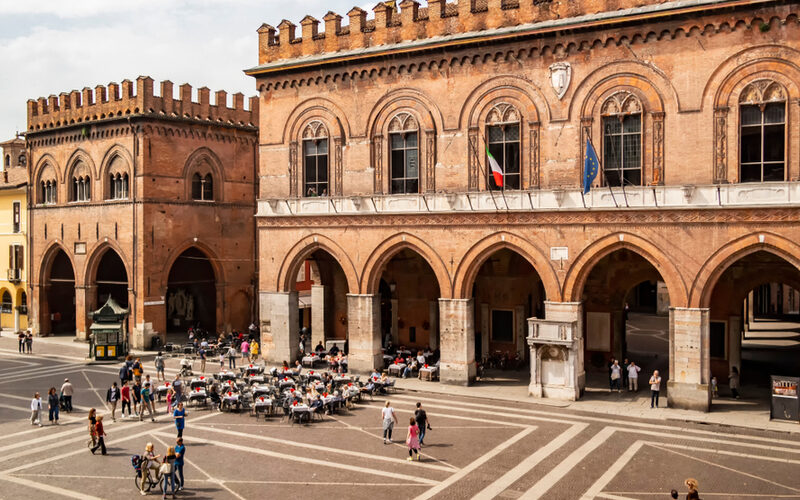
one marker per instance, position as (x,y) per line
(497,172)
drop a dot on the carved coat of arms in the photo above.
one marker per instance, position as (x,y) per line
(560,77)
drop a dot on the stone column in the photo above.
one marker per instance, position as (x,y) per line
(364,332)
(81,316)
(319,307)
(16,319)
(689,361)
(280,326)
(433,314)
(457,337)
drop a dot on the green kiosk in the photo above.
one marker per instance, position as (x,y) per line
(109,333)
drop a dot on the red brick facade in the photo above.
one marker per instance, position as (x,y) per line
(556,71)
(136,155)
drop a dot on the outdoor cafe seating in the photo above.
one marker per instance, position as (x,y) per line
(198,396)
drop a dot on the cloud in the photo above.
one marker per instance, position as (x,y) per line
(58,46)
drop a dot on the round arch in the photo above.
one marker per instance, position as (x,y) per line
(321,108)
(589,257)
(371,274)
(303,249)
(408,99)
(478,253)
(706,279)
(527,95)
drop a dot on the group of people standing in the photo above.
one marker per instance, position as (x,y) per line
(25,342)
(54,404)
(627,374)
(415,435)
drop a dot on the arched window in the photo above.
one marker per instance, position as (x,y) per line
(23,303)
(622,140)
(404,154)
(22,160)
(315,160)
(118,186)
(762,154)
(503,142)
(8,161)
(202,187)
(48,192)
(6,305)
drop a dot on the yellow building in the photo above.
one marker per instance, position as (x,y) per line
(13,234)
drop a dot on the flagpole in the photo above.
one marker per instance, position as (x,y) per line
(502,189)
(485,176)
(610,190)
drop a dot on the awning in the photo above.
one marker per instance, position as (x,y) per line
(106,326)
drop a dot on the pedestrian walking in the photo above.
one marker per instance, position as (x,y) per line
(136,395)
(53,403)
(412,439)
(180,418)
(177,385)
(625,365)
(180,451)
(125,397)
(101,434)
(36,409)
(733,382)
(21,337)
(221,361)
(254,351)
(691,485)
(29,342)
(159,362)
(112,396)
(633,377)
(124,374)
(232,358)
(245,347)
(201,353)
(422,422)
(655,388)
(616,375)
(147,404)
(388,418)
(66,392)
(92,428)
(714,387)
(136,369)
(168,472)
(170,399)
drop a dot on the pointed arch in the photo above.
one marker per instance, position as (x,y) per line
(204,161)
(211,255)
(383,253)
(96,254)
(303,249)
(711,270)
(585,261)
(79,156)
(474,258)
(46,262)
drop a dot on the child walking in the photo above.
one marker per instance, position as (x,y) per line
(412,439)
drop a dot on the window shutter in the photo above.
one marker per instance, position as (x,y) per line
(11,254)
(20,256)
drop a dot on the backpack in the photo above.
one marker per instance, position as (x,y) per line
(136,462)
(137,369)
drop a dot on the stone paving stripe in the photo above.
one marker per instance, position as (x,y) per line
(558,472)
(510,477)
(313,461)
(612,471)
(57,490)
(474,465)
(659,444)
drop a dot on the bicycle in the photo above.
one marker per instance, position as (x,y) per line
(137,463)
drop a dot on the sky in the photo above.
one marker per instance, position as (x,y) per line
(53,46)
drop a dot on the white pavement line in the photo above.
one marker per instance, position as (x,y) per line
(31,376)
(324,483)
(558,472)
(94,390)
(220,482)
(313,461)
(616,467)
(482,420)
(458,476)
(661,494)
(659,444)
(319,448)
(28,399)
(152,431)
(510,477)
(708,440)
(730,469)
(566,418)
(43,413)
(40,357)
(58,490)
(610,496)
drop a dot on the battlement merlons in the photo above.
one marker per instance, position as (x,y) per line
(396,22)
(103,102)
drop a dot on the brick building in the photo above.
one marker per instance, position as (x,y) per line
(145,198)
(691,105)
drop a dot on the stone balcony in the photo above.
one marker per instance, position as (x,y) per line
(768,194)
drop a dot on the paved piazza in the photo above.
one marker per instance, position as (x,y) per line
(478,448)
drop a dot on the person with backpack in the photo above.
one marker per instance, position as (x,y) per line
(136,368)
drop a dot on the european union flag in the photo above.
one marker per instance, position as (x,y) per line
(590,166)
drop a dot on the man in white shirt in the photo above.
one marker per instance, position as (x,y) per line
(36,408)
(633,377)
(67,391)
(655,388)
